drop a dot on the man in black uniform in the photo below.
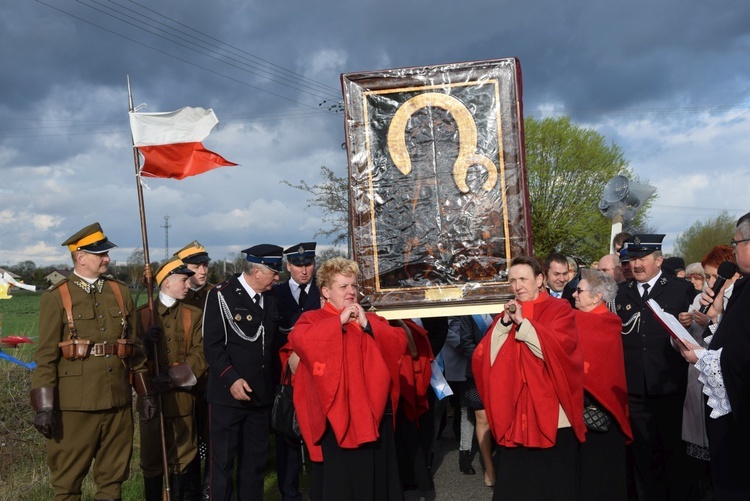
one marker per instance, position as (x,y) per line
(196,258)
(656,372)
(295,296)
(240,323)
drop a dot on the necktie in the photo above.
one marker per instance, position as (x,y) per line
(645,292)
(302,294)
(256,298)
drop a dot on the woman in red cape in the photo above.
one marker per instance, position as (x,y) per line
(529,374)
(346,389)
(603,455)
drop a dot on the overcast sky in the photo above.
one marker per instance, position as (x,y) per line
(667,81)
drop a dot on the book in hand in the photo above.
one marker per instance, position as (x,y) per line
(671,324)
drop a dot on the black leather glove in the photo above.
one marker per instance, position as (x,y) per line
(162,382)
(151,338)
(45,423)
(147,407)
(42,401)
(146,404)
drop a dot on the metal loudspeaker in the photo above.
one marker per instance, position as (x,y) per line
(623,198)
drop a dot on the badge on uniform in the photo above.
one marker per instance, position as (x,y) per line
(237,317)
(249,318)
(627,307)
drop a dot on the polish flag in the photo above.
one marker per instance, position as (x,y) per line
(171,142)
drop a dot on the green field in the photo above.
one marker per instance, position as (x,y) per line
(23,471)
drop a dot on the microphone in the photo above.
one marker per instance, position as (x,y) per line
(726,270)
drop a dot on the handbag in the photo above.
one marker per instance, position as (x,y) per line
(283,416)
(596,418)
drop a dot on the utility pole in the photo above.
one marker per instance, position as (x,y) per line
(166,237)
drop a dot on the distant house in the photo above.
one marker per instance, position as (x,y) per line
(3,270)
(56,276)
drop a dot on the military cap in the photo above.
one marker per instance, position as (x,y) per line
(674,263)
(90,239)
(643,245)
(268,255)
(193,253)
(173,266)
(301,254)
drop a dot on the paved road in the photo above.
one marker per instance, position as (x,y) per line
(450,483)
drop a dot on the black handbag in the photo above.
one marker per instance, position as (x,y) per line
(596,418)
(283,415)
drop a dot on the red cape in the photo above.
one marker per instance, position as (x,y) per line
(344,378)
(522,393)
(604,362)
(415,375)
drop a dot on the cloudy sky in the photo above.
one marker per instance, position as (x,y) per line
(667,81)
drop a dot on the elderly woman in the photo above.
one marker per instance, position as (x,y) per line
(694,272)
(529,374)
(346,389)
(603,453)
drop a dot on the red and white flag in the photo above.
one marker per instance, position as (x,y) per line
(171,142)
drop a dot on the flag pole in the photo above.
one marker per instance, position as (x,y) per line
(150,294)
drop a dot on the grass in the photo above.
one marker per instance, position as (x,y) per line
(24,475)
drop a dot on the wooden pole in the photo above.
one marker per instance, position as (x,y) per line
(150,293)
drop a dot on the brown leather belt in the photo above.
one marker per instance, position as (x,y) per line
(103,350)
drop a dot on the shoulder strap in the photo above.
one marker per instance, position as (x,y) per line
(186,320)
(118,296)
(68,305)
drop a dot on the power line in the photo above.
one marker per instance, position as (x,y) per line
(213,72)
(188,42)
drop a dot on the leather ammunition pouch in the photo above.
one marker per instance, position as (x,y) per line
(125,348)
(75,349)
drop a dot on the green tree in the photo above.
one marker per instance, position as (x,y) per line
(698,239)
(332,197)
(568,167)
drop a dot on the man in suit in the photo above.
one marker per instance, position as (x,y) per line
(176,336)
(655,371)
(196,258)
(295,296)
(240,324)
(557,274)
(80,391)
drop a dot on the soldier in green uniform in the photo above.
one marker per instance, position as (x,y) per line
(86,359)
(177,336)
(196,258)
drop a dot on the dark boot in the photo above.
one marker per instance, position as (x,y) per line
(194,484)
(178,485)
(206,482)
(464,463)
(152,488)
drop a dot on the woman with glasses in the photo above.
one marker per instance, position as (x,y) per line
(605,394)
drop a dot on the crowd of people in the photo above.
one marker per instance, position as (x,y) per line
(573,390)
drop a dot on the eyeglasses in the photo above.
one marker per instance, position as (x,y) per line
(579,290)
(734,243)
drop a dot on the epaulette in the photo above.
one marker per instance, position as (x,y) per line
(56,285)
(223,285)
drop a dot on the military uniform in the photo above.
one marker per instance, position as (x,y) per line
(177,404)
(195,254)
(238,340)
(289,452)
(197,298)
(656,376)
(91,397)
